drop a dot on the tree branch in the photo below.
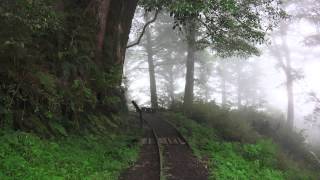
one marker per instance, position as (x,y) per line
(144,29)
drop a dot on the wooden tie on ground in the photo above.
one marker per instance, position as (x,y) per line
(163,141)
(179,162)
(147,167)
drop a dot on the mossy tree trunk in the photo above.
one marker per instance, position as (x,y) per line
(110,54)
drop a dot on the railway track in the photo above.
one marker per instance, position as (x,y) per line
(160,142)
(177,161)
(165,154)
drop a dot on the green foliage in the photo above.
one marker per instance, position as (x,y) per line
(231,164)
(230,26)
(102,123)
(262,158)
(61,131)
(25,156)
(50,76)
(229,124)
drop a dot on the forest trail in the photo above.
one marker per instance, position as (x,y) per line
(178,162)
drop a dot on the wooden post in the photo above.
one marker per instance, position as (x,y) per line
(139,111)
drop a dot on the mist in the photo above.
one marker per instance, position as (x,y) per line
(160,89)
(255,80)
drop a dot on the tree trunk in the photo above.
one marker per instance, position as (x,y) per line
(171,86)
(188,94)
(203,81)
(221,72)
(223,90)
(290,110)
(153,85)
(239,97)
(121,13)
(103,12)
(289,77)
(118,25)
(59,6)
(117,29)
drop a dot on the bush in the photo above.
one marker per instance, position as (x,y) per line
(248,125)
(263,158)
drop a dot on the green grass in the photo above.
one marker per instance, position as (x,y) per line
(26,156)
(228,160)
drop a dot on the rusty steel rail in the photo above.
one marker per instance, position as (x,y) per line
(179,133)
(155,136)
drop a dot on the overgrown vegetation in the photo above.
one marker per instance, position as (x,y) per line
(59,107)
(245,144)
(26,156)
(47,72)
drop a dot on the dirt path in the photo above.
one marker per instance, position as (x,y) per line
(179,162)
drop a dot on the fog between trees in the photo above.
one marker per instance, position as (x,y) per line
(280,79)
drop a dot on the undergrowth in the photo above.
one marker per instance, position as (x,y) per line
(226,159)
(26,156)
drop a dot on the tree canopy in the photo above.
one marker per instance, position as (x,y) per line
(229,26)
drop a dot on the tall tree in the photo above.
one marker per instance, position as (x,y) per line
(152,76)
(63,59)
(103,12)
(191,49)
(228,27)
(170,55)
(203,74)
(282,54)
(239,82)
(223,83)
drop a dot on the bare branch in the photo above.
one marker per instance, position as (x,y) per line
(144,29)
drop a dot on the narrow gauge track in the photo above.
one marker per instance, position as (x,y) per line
(148,165)
(177,161)
(165,154)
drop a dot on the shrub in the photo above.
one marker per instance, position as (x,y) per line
(263,158)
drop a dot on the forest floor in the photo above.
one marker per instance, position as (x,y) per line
(178,161)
